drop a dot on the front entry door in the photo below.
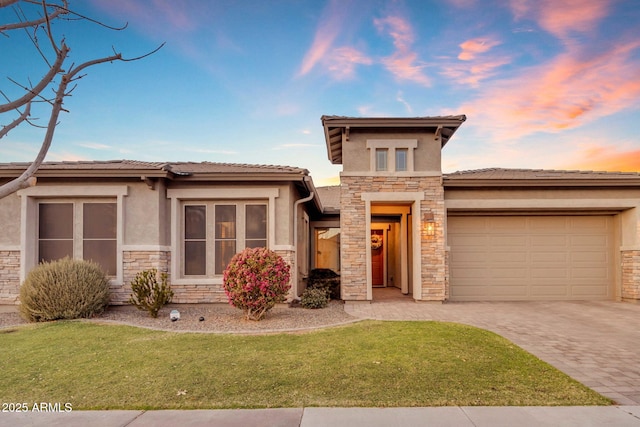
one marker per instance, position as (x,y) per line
(377,258)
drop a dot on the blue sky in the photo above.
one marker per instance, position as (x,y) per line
(544,83)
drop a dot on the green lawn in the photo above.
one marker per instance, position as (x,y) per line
(371,363)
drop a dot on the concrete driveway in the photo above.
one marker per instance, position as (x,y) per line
(597,343)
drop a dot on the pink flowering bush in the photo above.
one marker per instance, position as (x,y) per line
(255,280)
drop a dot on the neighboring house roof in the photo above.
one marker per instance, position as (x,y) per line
(337,126)
(330,197)
(539,177)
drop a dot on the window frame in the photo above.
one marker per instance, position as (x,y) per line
(78,231)
(391,146)
(30,197)
(219,194)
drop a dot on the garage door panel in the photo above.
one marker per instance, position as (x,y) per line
(546,240)
(550,291)
(589,257)
(588,291)
(592,222)
(549,273)
(544,223)
(531,257)
(508,291)
(509,241)
(546,257)
(507,257)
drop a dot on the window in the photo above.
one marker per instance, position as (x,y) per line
(256,236)
(92,237)
(401,159)
(391,155)
(195,240)
(55,231)
(225,237)
(215,232)
(381,159)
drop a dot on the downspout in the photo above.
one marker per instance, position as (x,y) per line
(295,238)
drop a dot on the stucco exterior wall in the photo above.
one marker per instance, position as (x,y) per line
(10,220)
(145,215)
(355,155)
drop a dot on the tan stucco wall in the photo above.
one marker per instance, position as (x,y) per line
(145,215)
(355,155)
(10,221)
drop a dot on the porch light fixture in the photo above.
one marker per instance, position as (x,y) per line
(429,224)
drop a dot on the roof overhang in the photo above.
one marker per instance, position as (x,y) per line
(337,128)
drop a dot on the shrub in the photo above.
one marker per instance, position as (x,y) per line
(149,294)
(255,280)
(327,279)
(314,298)
(64,289)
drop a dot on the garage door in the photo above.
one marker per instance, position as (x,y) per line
(499,258)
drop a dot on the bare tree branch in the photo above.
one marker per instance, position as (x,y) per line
(6,129)
(46,80)
(34,23)
(51,11)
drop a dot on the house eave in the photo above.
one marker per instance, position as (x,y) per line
(337,128)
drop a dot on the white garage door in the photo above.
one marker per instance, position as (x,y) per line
(499,258)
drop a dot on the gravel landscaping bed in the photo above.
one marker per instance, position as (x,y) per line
(218,318)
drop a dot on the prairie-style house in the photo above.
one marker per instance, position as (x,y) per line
(395,220)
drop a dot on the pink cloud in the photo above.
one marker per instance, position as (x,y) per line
(560,19)
(474,64)
(564,93)
(473,73)
(403,62)
(343,60)
(471,48)
(331,23)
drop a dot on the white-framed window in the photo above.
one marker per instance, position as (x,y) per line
(390,156)
(78,229)
(214,231)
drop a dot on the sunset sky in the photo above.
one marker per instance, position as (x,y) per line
(551,84)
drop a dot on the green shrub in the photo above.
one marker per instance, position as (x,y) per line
(327,279)
(64,289)
(314,298)
(149,294)
(255,280)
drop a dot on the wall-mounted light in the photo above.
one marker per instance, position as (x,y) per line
(429,224)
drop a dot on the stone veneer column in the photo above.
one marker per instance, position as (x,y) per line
(631,275)
(288,257)
(353,263)
(9,277)
(353,233)
(433,250)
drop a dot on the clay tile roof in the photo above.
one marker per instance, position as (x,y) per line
(211,167)
(330,197)
(123,167)
(501,176)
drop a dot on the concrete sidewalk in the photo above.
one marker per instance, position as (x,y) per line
(472,416)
